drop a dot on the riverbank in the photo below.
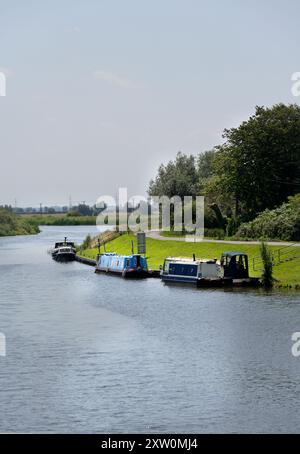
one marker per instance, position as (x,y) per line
(286,275)
(13,225)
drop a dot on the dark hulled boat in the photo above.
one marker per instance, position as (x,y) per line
(64,251)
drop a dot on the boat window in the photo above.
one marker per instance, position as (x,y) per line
(183,269)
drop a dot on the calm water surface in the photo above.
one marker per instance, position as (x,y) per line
(94,353)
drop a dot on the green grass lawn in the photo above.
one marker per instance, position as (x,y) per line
(157,251)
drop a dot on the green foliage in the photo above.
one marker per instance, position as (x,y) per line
(73,214)
(219,234)
(11,225)
(184,176)
(232,226)
(266,257)
(87,242)
(221,220)
(210,219)
(177,178)
(257,168)
(205,168)
(62,219)
(259,164)
(283,223)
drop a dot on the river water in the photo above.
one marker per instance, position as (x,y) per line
(96,353)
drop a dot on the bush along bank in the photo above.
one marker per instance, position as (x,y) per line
(11,225)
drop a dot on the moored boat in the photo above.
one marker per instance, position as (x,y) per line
(232,270)
(64,251)
(188,271)
(134,266)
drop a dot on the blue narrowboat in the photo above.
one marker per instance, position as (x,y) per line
(187,271)
(135,266)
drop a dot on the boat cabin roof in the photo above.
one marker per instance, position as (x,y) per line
(188,261)
(114,254)
(64,244)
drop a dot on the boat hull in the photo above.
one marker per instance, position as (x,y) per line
(211,282)
(178,280)
(214,283)
(128,274)
(64,257)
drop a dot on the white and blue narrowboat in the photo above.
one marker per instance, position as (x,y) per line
(188,271)
(134,266)
(232,270)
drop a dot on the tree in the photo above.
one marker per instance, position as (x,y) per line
(205,167)
(177,178)
(259,164)
(83,210)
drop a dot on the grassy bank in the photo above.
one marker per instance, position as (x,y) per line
(11,225)
(287,274)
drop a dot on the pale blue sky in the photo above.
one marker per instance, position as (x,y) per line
(99,93)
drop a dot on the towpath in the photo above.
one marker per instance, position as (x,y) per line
(156,235)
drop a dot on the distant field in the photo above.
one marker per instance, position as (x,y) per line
(60,219)
(157,251)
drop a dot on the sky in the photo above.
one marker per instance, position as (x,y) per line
(99,93)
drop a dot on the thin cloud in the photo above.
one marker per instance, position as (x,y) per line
(113,79)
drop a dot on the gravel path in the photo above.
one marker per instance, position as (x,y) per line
(155,234)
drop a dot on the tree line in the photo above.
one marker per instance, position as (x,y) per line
(257,168)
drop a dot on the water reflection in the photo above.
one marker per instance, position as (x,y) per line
(97,353)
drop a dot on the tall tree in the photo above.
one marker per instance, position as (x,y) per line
(177,178)
(259,164)
(205,166)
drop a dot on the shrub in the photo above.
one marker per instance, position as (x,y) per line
(283,223)
(219,234)
(87,242)
(10,224)
(266,257)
